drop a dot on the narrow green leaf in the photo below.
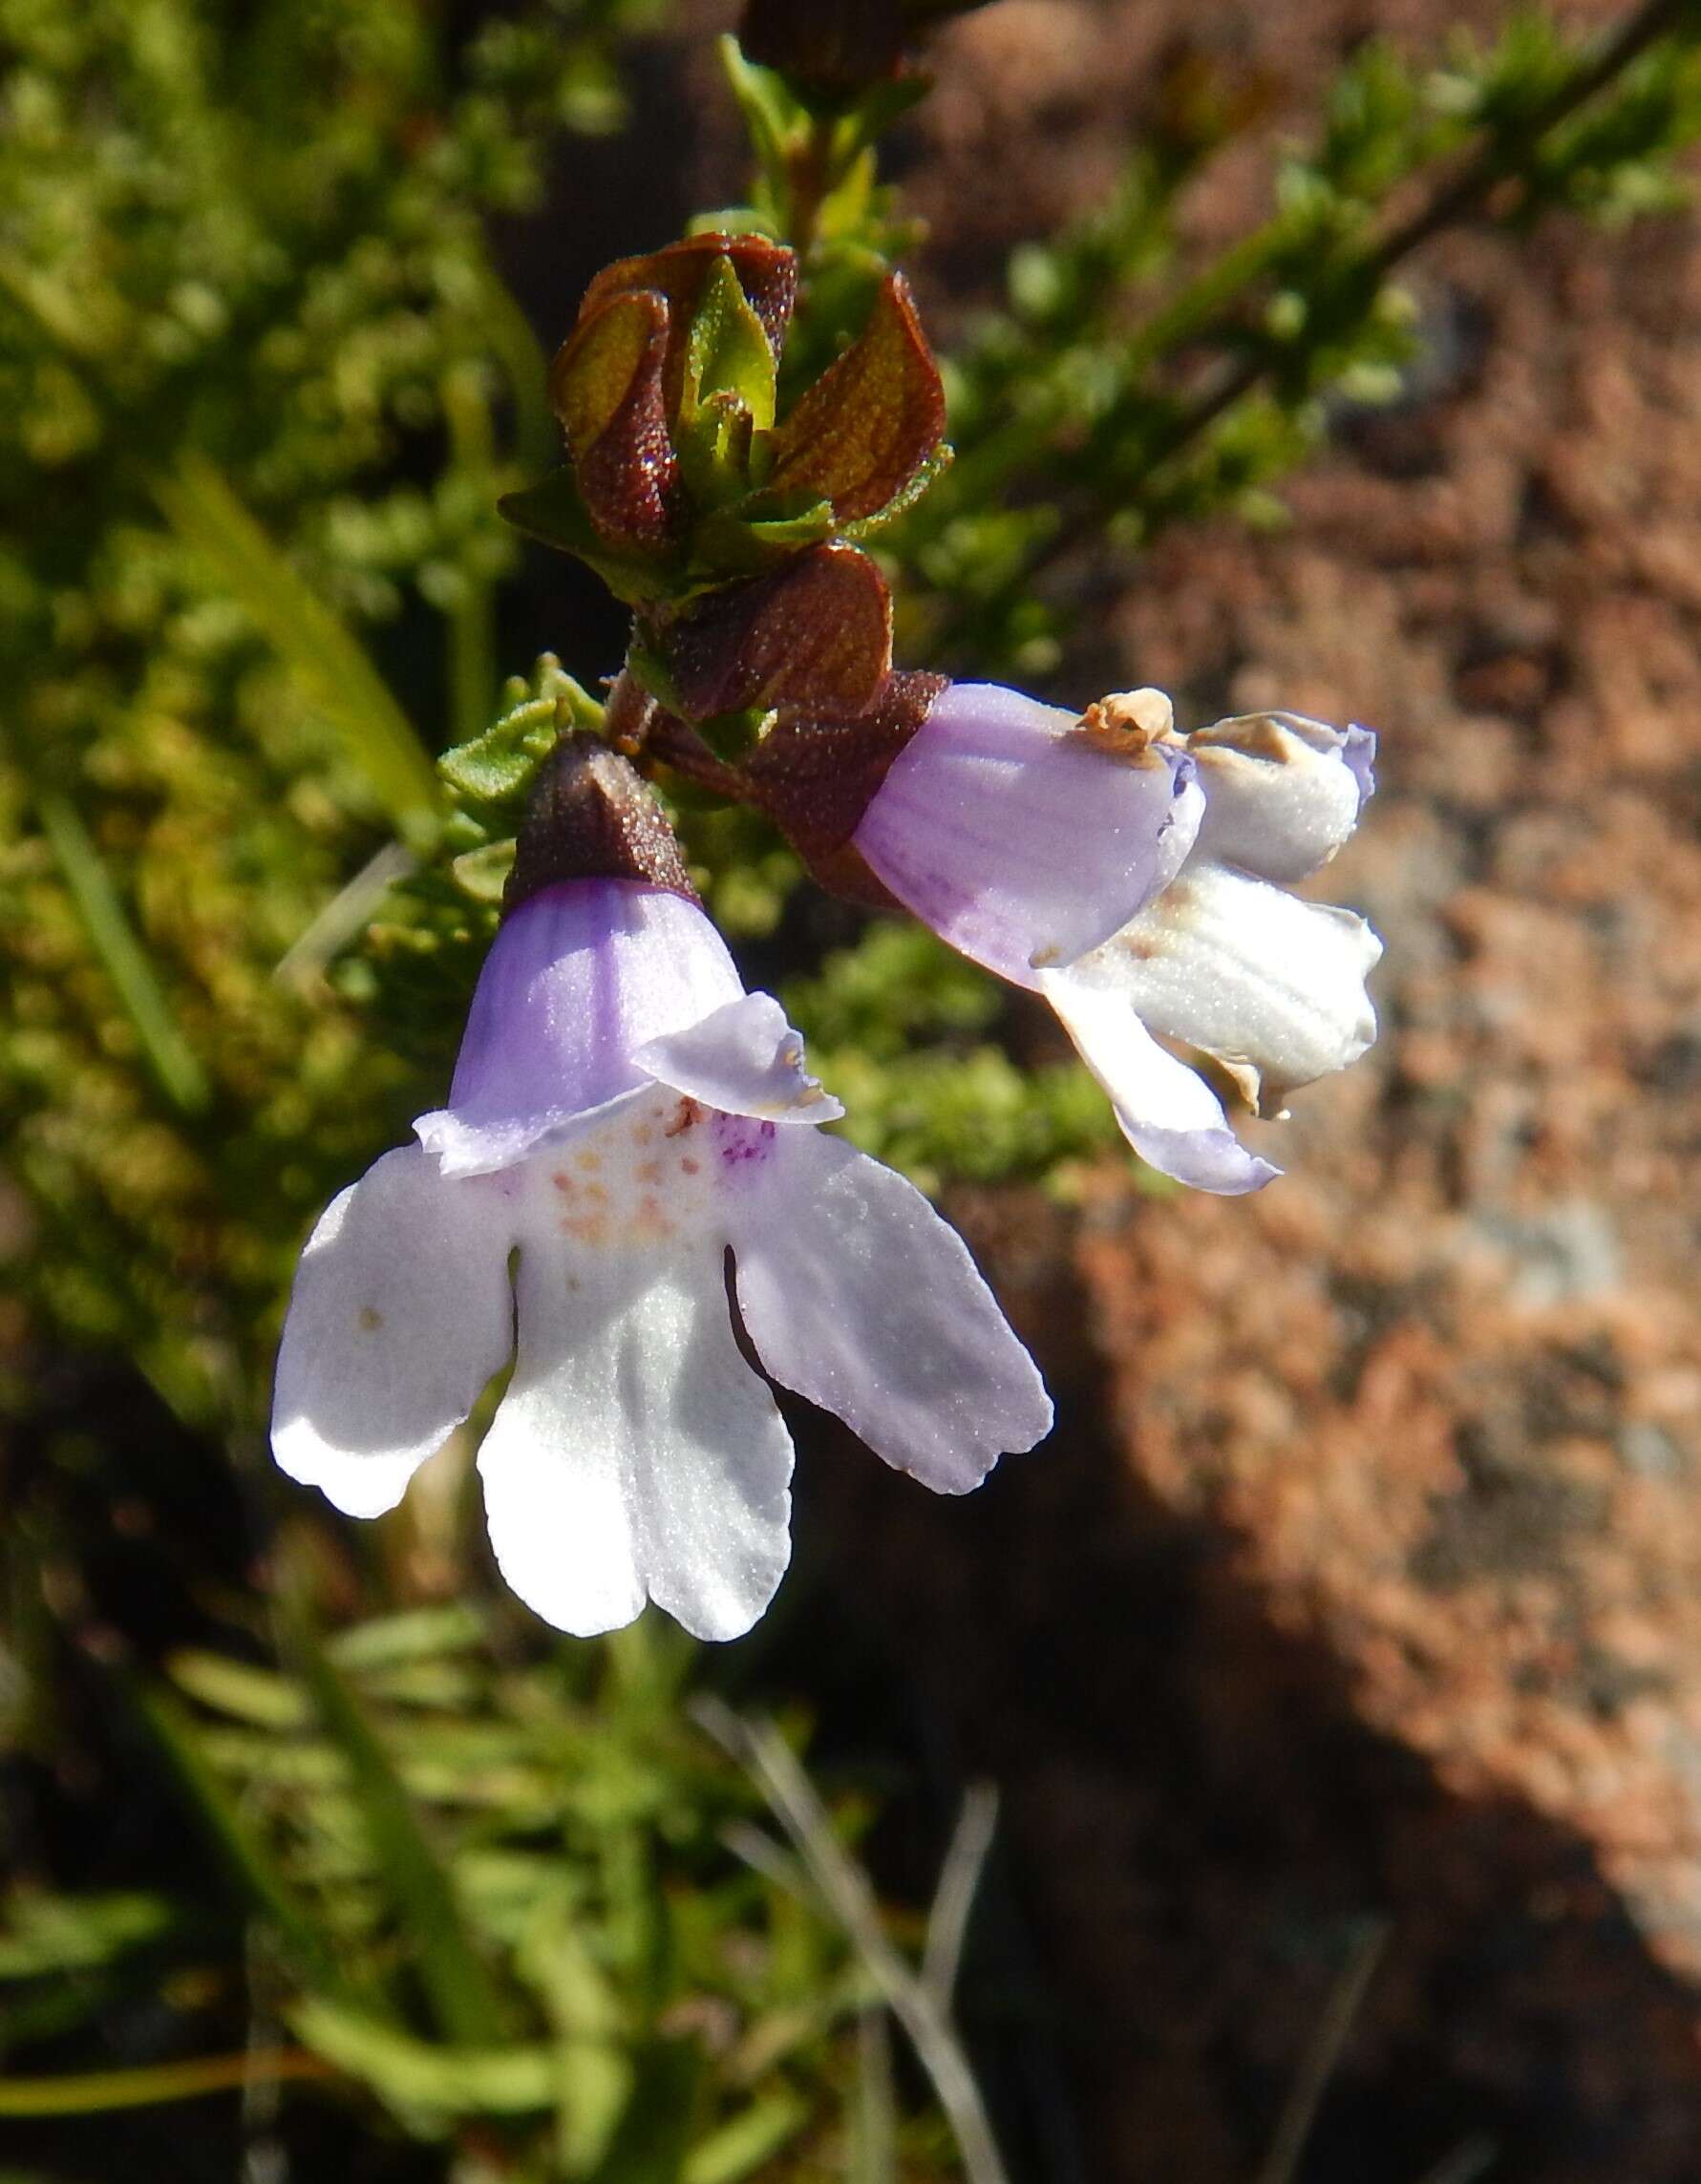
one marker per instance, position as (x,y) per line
(450,1966)
(98,2092)
(421,2076)
(245,1857)
(739,2149)
(323,656)
(234,1687)
(122,956)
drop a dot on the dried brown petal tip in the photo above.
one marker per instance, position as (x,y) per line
(592,818)
(1127,723)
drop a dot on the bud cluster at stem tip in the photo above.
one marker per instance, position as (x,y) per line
(682,472)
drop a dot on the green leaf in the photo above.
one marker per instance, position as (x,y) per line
(740,2148)
(307,637)
(245,1857)
(733,543)
(450,1967)
(414,1634)
(122,956)
(421,2077)
(728,352)
(650,2142)
(233,1687)
(45,1933)
(553,512)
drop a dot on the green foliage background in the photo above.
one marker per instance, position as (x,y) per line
(261,386)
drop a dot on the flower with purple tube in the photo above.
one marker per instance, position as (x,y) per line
(629,1198)
(1137,879)
(643,1134)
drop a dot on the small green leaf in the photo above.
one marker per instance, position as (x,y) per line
(202,508)
(651,2141)
(728,352)
(233,1687)
(45,1934)
(733,543)
(482,874)
(246,1855)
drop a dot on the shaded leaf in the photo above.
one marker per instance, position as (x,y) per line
(122,956)
(554,513)
(307,637)
(450,1967)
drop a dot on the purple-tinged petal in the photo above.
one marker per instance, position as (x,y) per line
(578,977)
(1274,986)
(400,1314)
(1282,792)
(635,1454)
(744,1059)
(1167,1112)
(1020,840)
(858,1296)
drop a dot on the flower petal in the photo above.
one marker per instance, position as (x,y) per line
(1246,971)
(635,1454)
(400,1314)
(1020,840)
(577,977)
(1282,792)
(859,1296)
(743,1059)
(1168,1114)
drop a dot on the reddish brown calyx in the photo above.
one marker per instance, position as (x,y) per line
(592,818)
(815,777)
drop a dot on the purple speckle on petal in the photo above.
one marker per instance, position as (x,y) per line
(740,1138)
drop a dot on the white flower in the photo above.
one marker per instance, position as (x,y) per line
(1224,960)
(1133,876)
(642,1134)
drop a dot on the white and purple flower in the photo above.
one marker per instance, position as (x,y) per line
(641,1133)
(1138,879)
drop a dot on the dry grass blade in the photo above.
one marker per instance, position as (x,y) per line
(791,1795)
(959,1884)
(1317,2065)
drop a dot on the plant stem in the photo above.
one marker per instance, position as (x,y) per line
(94,2092)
